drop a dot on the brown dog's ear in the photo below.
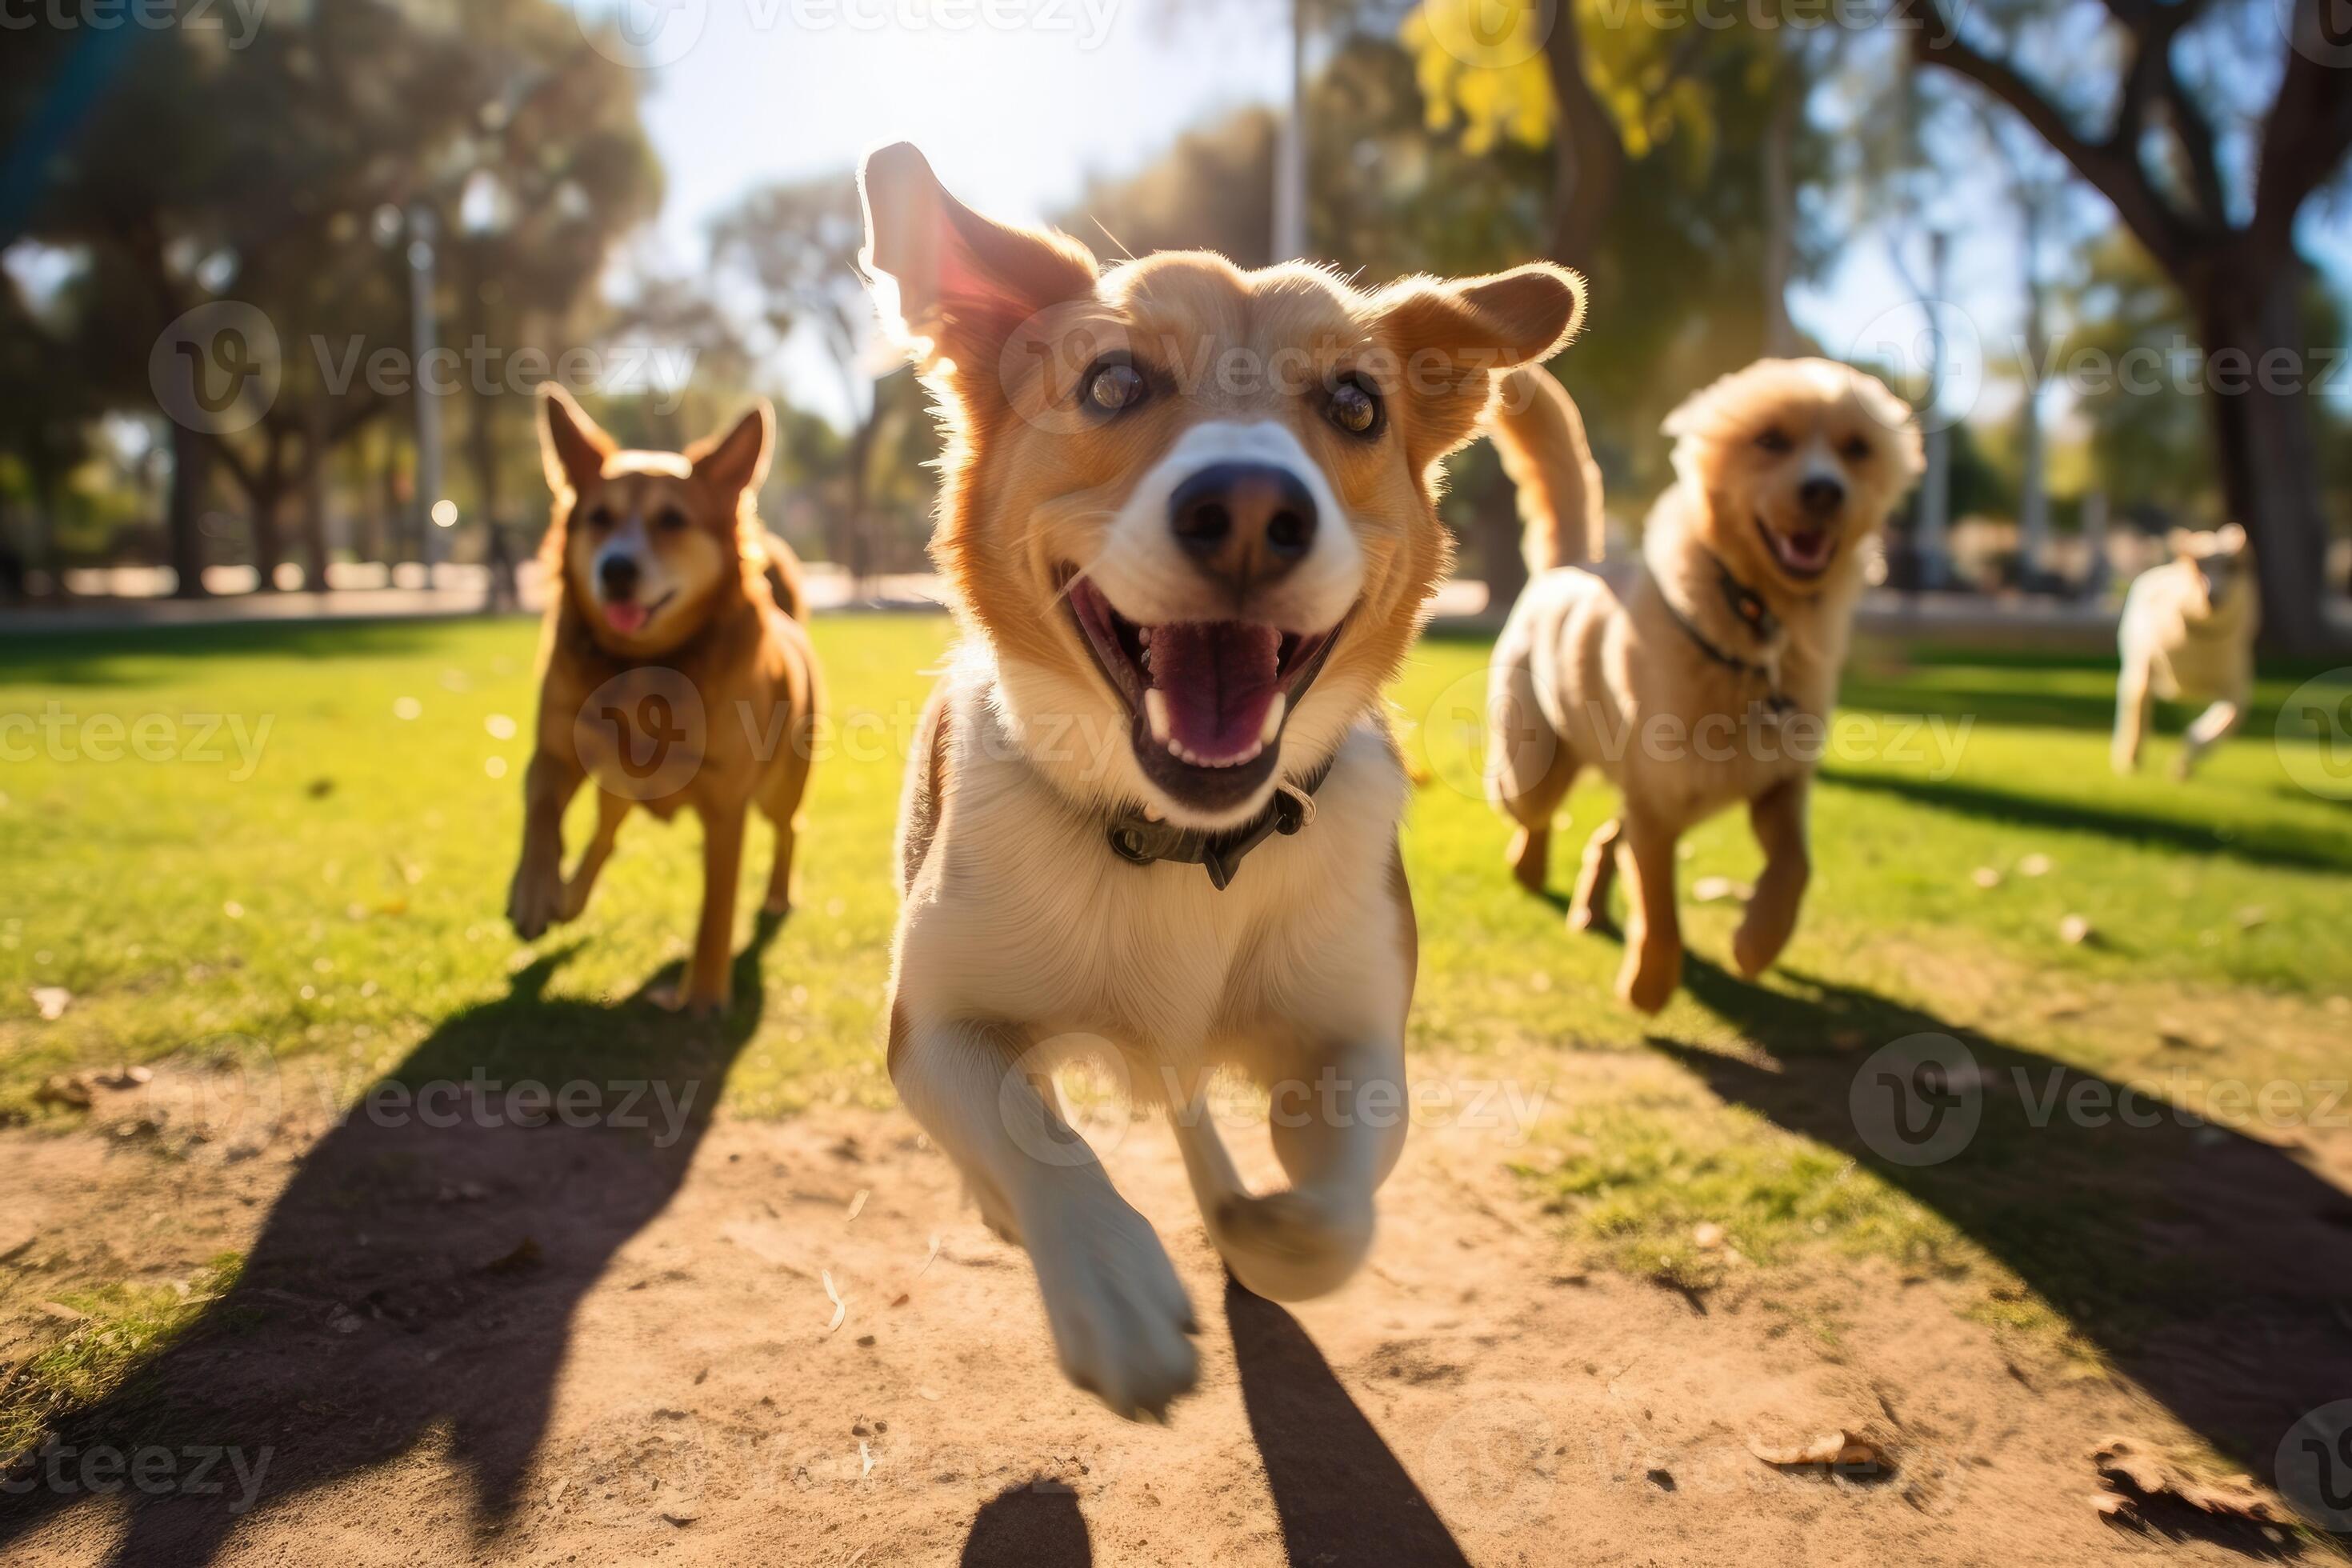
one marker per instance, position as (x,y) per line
(737,461)
(953,286)
(571,448)
(1453,338)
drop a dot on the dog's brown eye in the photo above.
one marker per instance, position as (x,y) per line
(1855,450)
(1775,442)
(670,520)
(600,519)
(1355,407)
(1114,386)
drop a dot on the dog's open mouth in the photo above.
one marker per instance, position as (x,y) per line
(1804,554)
(1207,698)
(628,618)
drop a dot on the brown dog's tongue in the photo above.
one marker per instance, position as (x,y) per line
(1220,678)
(625,618)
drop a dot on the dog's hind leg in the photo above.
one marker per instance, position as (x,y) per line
(781,805)
(611,811)
(1338,1138)
(2132,703)
(1778,817)
(1119,1316)
(1589,907)
(1529,769)
(2210,727)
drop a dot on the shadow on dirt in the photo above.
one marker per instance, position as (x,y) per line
(417,1277)
(2210,1267)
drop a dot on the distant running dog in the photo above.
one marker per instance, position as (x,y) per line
(1188,512)
(677,676)
(2187,634)
(1694,689)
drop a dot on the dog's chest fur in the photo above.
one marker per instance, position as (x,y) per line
(1019,912)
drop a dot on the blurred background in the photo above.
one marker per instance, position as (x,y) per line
(281,276)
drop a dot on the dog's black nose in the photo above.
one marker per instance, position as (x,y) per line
(1820,496)
(618,574)
(1244,522)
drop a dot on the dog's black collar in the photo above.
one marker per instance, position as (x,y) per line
(1140,841)
(1748,606)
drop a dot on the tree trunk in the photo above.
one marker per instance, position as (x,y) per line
(184,517)
(314,500)
(1781,204)
(2263,437)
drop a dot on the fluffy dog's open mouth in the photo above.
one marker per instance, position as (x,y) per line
(628,618)
(1207,699)
(1804,554)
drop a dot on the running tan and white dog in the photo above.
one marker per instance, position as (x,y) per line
(1187,511)
(2188,633)
(1709,680)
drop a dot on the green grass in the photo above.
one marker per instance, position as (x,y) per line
(336,906)
(121,1327)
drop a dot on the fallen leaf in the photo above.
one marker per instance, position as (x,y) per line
(62,1312)
(58,1089)
(864,1459)
(52,1001)
(902,1300)
(1840,1449)
(2034,866)
(840,1307)
(1716,889)
(1707,1234)
(2135,1477)
(2075,931)
(1985,876)
(2252,916)
(857,1203)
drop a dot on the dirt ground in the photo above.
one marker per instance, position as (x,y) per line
(576,1345)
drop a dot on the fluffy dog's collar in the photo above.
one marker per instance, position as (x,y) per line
(1749,607)
(1140,841)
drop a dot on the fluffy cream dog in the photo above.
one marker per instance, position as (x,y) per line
(1707,682)
(2187,634)
(1151,815)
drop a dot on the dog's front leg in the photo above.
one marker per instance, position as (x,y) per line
(1121,1319)
(1653,937)
(1337,1136)
(536,895)
(1778,817)
(706,974)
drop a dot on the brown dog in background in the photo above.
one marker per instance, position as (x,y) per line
(676,673)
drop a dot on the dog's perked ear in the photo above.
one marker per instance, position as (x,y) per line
(953,286)
(571,446)
(1452,338)
(738,461)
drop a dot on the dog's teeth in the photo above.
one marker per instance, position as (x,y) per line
(1273,725)
(1155,713)
(1143,635)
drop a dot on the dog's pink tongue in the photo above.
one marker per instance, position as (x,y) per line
(1220,678)
(625,618)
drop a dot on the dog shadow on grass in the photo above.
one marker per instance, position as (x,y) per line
(2210,1267)
(416,1279)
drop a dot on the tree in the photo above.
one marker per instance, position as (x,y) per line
(2226,244)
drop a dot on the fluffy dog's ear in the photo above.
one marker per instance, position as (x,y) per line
(953,286)
(737,461)
(1452,339)
(572,447)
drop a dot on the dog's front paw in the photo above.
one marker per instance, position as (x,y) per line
(535,900)
(1121,1321)
(1292,1245)
(1648,979)
(676,997)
